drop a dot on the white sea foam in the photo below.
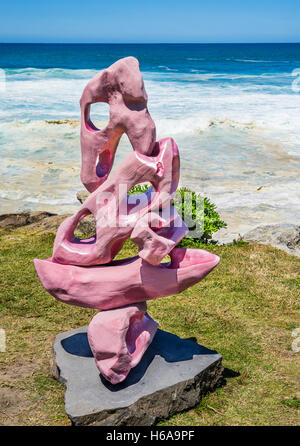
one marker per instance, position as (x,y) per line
(167,68)
(259,61)
(38,73)
(226,125)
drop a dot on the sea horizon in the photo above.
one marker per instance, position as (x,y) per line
(150,43)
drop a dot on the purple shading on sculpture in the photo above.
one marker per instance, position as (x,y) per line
(83,272)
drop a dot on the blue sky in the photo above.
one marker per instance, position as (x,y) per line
(151,21)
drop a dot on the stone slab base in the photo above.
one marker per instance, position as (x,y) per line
(173,376)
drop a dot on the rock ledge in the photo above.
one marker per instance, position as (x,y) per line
(282,236)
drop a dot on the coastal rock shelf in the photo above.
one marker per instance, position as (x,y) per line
(281,236)
(173,375)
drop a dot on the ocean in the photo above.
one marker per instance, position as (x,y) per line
(233,110)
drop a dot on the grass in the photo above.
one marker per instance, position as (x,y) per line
(245,309)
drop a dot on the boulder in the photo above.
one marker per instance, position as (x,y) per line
(48,224)
(282,236)
(22,218)
(82,195)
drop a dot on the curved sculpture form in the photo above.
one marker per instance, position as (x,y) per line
(126,281)
(118,339)
(84,272)
(114,215)
(156,234)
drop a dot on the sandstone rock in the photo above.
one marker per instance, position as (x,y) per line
(45,222)
(87,226)
(71,122)
(22,218)
(282,236)
(82,195)
(48,224)
(173,375)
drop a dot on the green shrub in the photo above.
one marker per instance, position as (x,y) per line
(205,218)
(139,189)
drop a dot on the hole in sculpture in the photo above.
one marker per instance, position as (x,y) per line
(86,228)
(99,116)
(140,188)
(105,161)
(140,196)
(167,260)
(124,149)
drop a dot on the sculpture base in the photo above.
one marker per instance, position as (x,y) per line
(173,375)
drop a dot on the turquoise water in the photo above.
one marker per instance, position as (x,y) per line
(233,110)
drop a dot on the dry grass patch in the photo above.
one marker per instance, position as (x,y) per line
(245,309)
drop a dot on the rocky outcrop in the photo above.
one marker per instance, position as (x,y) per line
(48,224)
(44,222)
(82,195)
(87,225)
(22,219)
(71,122)
(282,236)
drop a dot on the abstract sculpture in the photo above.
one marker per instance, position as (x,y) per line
(82,271)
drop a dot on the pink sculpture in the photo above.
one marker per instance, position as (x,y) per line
(83,272)
(114,216)
(126,281)
(118,339)
(122,87)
